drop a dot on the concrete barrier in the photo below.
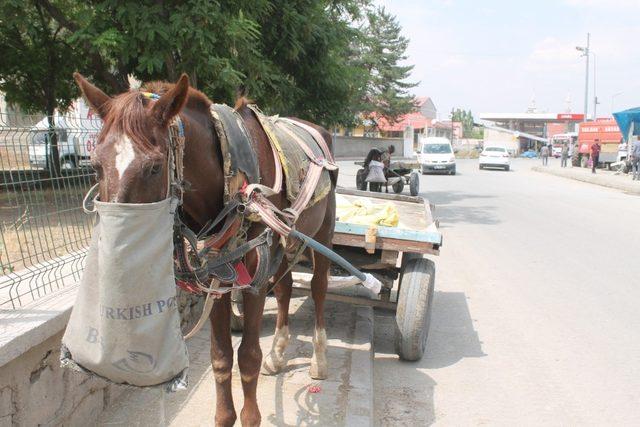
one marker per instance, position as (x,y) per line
(358,147)
(34,389)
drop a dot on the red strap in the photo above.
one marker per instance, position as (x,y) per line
(244,278)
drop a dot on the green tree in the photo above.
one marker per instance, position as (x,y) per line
(466,118)
(288,56)
(37,62)
(381,54)
(303,58)
(309,43)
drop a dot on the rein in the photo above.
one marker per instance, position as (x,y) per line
(202,262)
(220,260)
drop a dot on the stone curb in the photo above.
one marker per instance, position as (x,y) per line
(360,406)
(596,179)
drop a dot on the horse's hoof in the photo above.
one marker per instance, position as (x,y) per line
(272,364)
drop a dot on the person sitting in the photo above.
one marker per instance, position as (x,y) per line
(386,155)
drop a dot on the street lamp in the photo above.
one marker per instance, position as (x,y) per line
(585,53)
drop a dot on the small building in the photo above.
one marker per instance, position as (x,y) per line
(379,127)
(452,131)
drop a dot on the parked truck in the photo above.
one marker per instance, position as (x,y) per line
(76,131)
(606,132)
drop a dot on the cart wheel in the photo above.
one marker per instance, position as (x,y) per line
(398,186)
(414,308)
(237,312)
(414,183)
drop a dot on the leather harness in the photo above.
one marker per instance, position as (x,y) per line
(212,263)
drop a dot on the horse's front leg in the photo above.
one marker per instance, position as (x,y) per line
(319,283)
(274,362)
(250,356)
(222,360)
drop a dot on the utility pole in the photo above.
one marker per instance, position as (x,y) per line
(595,94)
(585,53)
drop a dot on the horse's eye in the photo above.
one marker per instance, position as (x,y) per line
(97,169)
(155,169)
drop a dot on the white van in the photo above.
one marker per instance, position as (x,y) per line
(436,155)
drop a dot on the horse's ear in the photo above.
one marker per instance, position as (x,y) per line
(171,102)
(96,98)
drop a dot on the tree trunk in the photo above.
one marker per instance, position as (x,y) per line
(53,157)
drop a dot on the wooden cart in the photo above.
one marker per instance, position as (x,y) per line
(398,174)
(397,256)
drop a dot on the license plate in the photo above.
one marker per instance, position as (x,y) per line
(438,167)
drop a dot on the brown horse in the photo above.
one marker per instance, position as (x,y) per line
(130,160)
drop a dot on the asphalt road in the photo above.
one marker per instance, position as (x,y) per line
(536,316)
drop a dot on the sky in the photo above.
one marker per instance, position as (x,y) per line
(496,56)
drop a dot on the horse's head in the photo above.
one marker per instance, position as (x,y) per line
(131,156)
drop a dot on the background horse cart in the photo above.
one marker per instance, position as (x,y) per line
(396,256)
(398,174)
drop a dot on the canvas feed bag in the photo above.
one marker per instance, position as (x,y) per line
(125,323)
(376,172)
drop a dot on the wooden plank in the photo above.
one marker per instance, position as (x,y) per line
(370,239)
(364,261)
(387,305)
(385,243)
(390,232)
(399,164)
(389,257)
(384,196)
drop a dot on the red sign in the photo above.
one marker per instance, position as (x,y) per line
(570,116)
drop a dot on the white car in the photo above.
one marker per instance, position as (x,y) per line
(436,155)
(494,157)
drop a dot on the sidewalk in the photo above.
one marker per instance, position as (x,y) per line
(603,177)
(345,398)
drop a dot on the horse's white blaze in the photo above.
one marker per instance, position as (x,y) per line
(125,154)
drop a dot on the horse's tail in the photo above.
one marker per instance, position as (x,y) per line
(333,174)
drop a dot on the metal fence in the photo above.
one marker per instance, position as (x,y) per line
(43,229)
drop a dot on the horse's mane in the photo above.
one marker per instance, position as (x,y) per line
(127,112)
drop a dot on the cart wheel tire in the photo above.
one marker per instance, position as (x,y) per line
(413,313)
(361,184)
(398,186)
(414,183)
(237,312)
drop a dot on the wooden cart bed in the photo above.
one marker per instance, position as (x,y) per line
(416,231)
